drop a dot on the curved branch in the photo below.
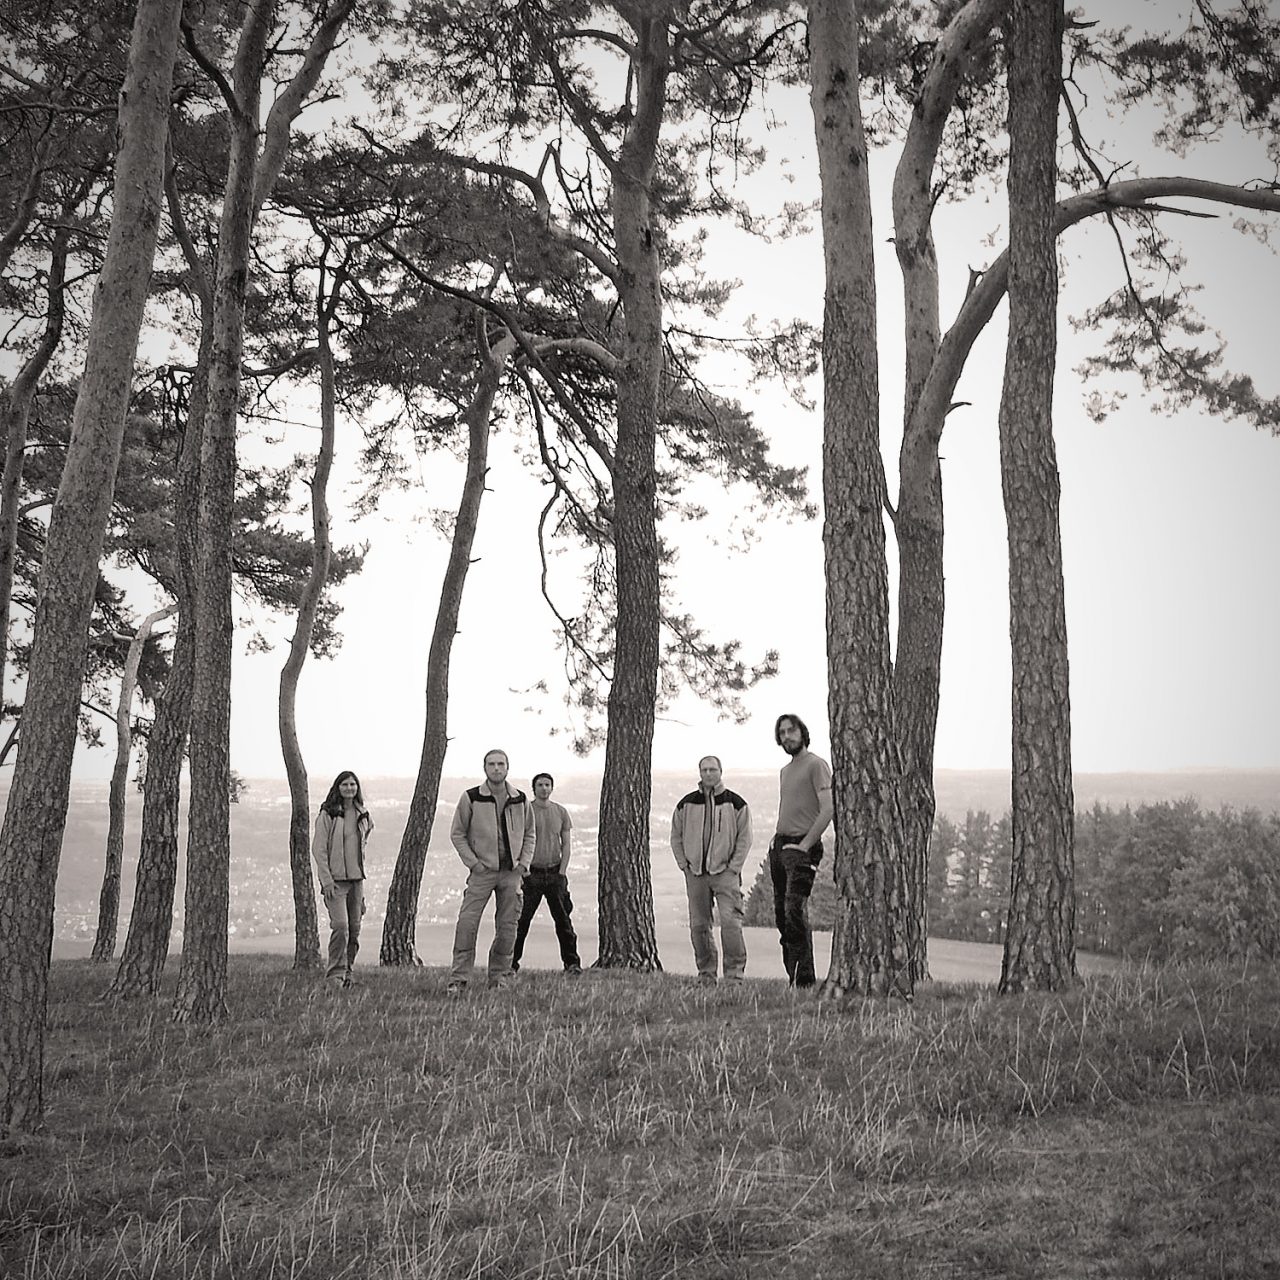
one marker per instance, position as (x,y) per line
(929,417)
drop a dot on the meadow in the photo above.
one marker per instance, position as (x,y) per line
(625,1125)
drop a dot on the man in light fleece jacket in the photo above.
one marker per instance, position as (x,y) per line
(494,834)
(710,837)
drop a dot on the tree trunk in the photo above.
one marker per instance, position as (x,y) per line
(202,977)
(870,948)
(918,522)
(400,925)
(17,414)
(104,942)
(1039,946)
(36,813)
(146,945)
(306,933)
(628,938)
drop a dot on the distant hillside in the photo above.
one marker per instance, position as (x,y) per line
(261,901)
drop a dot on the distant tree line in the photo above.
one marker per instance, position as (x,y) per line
(1164,881)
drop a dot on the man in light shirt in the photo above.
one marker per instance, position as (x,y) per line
(549,876)
(804,813)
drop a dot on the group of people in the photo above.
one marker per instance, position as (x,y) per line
(517,850)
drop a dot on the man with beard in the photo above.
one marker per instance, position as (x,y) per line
(804,813)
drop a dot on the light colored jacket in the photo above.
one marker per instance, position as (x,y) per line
(730,832)
(475,832)
(326,846)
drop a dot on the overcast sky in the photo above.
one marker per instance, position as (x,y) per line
(1171,531)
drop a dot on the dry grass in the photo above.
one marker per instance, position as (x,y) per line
(642,1126)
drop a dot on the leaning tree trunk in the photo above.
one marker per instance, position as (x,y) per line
(146,945)
(36,813)
(104,942)
(306,932)
(17,415)
(628,937)
(918,521)
(202,977)
(870,946)
(1039,945)
(400,924)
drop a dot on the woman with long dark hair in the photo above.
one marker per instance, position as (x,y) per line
(342,830)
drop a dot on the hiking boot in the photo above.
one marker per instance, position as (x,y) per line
(573,971)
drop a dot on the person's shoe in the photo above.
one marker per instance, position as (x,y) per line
(501,982)
(515,966)
(455,989)
(349,981)
(706,979)
(573,971)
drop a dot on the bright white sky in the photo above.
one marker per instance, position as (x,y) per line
(1171,526)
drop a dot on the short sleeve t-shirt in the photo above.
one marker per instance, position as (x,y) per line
(550,821)
(800,783)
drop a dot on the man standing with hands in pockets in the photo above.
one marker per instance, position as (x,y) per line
(710,837)
(494,835)
(804,812)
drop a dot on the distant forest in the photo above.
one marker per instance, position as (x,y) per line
(1163,881)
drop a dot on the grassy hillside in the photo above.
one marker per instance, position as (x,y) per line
(622,1126)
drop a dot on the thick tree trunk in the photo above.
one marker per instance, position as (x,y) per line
(628,938)
(36,813)
(306,933)
(1039,946)
(202,977)
(104,942)
(870,948)
(400,925)
(17,414)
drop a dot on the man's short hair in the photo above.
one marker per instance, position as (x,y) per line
(715,758)
(497,751)
(548,777)
(795,720)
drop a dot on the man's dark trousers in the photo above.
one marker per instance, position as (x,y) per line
(549,884)
(792,872)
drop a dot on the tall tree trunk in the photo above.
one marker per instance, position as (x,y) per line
(1039,946)
(399,926)
(201,994)
(918,521)
(870,947)
(17,414)
(35,817)
(146,945)
(306,932)
(202,977)
(104,942)
(628,938)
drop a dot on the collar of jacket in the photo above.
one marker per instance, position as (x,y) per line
(717,790)
(514,794)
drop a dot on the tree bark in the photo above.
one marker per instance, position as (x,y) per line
(104,942)
(35,817)
(400,924)
(306,933)
(628,937)
(870,948)
(1039,945)
(146,945)
(202,977)
(17,414)
(918,521)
